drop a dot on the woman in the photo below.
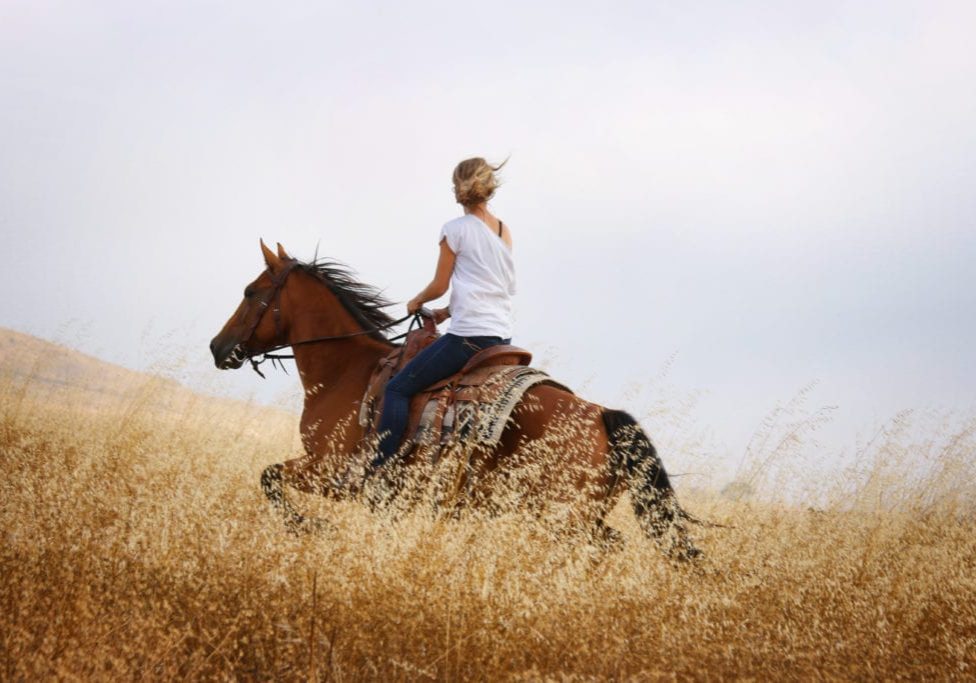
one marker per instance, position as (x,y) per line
(476,263)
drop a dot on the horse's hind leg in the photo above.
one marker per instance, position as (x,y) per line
(651,493)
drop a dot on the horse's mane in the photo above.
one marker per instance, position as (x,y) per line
(364,302)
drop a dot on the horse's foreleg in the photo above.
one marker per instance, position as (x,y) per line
(273,486)
(307,474)
(272,483)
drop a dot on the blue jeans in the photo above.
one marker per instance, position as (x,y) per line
(443,358)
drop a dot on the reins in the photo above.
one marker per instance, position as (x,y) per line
(277,358)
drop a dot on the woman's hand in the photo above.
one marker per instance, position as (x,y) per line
(441,314)
(414,305)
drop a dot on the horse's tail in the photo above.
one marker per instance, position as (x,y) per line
(633,457)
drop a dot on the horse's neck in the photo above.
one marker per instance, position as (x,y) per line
(334,373)
(334,376)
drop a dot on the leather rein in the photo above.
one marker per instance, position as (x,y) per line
(277,282)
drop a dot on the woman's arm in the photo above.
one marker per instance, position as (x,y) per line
(439,285)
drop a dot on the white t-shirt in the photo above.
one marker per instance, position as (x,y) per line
(483,281)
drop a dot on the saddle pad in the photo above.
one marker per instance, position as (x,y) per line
(478,414)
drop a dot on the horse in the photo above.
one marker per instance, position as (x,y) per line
(337,329)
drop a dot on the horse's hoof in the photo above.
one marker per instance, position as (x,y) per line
(320,526)
(608,540)
(683,550)
(295,525)
(304,526)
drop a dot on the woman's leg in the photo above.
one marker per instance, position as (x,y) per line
(443,358)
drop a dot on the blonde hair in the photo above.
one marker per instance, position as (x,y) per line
(475,181)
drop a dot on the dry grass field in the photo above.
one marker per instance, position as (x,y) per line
(137,545)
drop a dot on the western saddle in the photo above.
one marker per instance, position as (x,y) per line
(432,410)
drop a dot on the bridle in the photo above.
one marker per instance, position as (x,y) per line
(277,283)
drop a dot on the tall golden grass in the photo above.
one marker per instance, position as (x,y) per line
(137,545)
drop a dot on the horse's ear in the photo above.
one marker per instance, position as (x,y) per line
(270,258)
(281,253)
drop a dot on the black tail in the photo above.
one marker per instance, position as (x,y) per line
(633,453)
(633,457)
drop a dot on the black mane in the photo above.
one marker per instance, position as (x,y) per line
(365,302)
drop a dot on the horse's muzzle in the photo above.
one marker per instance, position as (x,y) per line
(226,356)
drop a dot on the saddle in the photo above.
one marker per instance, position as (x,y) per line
(496,376)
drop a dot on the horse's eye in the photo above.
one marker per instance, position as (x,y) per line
(248,292)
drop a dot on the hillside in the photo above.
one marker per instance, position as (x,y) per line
(51,374)
(26,357)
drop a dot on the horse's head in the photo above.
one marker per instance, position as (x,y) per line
(257,324)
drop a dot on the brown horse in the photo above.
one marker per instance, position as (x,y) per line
(335,326)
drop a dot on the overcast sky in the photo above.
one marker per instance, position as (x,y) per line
(766,194)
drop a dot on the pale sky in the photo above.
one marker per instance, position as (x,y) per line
(760,194)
